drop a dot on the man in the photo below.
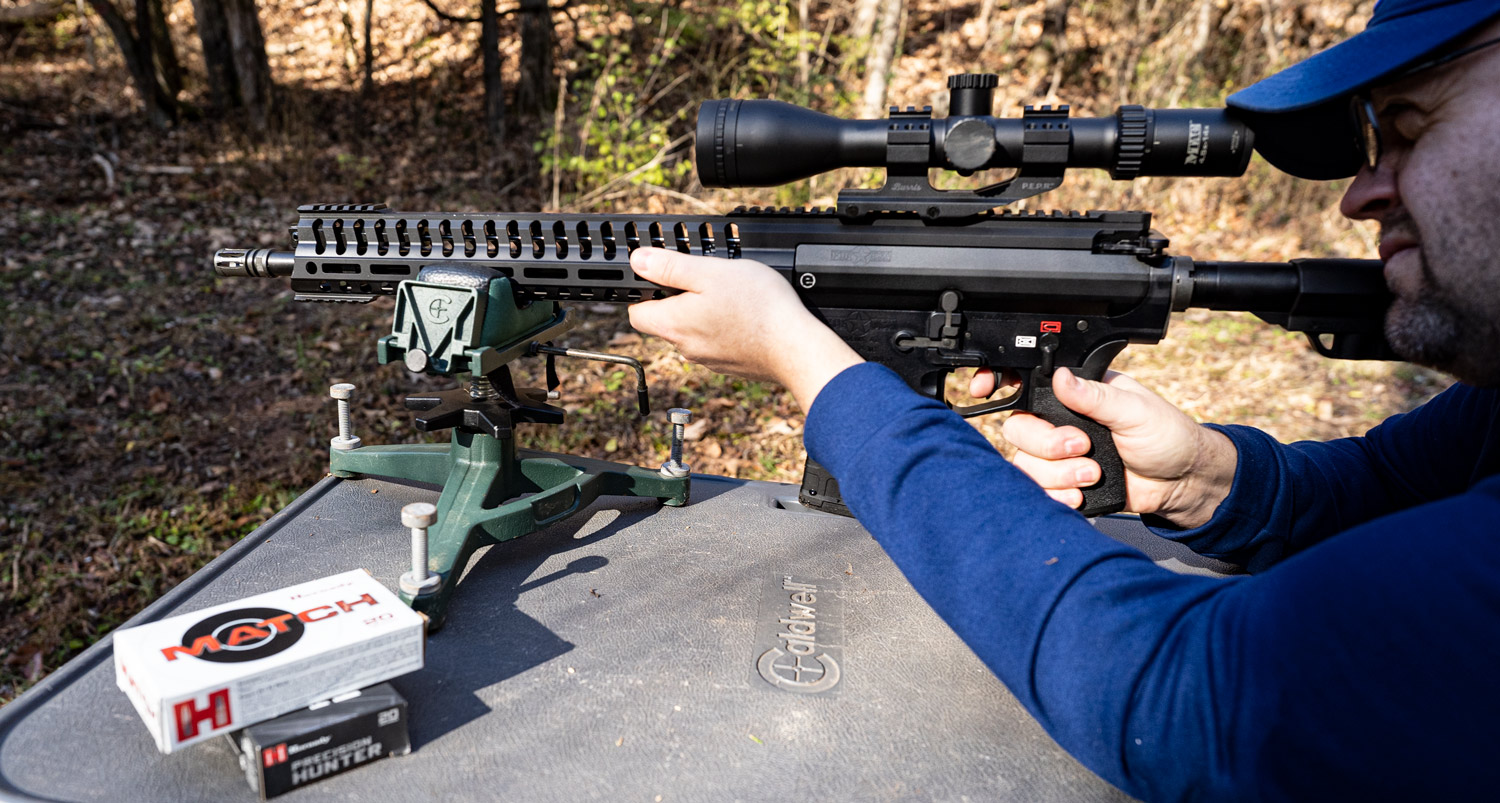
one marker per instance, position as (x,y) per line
(1360,659)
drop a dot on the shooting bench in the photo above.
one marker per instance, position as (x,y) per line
(619,654)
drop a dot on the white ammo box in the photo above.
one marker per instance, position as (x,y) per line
(201,674)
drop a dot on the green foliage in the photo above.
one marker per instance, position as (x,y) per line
(358,172)
(633,96)
(618,138)
(753,392)
(771,46)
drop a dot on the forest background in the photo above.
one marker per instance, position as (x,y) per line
(152,414)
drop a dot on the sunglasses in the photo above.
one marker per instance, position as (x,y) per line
(1362,109)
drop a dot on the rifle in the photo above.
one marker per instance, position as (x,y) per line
(919,279)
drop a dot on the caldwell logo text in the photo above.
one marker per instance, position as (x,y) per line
(802,653)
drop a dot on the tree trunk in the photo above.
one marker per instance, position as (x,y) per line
(1203,30)
(535,81)
(1268,27)
(168,68)
(252,70)
(351,41)
(368,85)
(882,57)
(146,65)
(160,108)
(1046,60)
(864,20)
(218,55)
(986,11)
(31,12)
(804,56)
(494,91)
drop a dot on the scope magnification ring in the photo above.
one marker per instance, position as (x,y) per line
(1130,153)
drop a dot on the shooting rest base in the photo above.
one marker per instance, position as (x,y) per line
(489,494)
(465,319)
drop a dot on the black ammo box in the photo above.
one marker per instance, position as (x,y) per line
(323,740)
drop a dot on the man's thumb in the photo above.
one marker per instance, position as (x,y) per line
(1108,405)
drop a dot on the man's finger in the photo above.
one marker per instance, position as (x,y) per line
(1035,436)
(982,383)
(650,317)
(669,268)
(986,381)
(1057,475)
(1071,497)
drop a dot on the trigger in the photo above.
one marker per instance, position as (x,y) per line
(998,376)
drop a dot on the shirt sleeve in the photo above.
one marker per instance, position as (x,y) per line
(1343,674)
(1287,497)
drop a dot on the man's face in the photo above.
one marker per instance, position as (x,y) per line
(1436,194)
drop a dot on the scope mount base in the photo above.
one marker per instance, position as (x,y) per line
(1043,157)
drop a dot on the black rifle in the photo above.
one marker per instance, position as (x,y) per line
(923,281)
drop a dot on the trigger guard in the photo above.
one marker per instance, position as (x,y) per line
(986,408)
(1314,340)
(1011,402)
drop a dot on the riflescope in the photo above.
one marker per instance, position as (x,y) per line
(762,143)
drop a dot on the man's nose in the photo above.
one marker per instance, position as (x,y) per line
(1371,194)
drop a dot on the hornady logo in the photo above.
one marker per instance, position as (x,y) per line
(805,658)
(271,756)
(213,712)
(249,634)
(859,256)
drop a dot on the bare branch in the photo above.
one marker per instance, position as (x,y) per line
(41,9)
(443,15)
(109,171)
(503,12)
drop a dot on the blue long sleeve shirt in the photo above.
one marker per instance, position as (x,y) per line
(1359,661)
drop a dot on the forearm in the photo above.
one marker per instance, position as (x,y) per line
(1287,497)
(1206,484)
(819,357)
(1068,618)
(1284,498)
(1285,686)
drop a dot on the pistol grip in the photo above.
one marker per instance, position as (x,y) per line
(1108,494)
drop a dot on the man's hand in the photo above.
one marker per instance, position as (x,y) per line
(739,317)
(1173,467)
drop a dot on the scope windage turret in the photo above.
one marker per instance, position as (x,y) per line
(762,143)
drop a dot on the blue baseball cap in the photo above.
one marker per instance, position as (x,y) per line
(1300,115)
